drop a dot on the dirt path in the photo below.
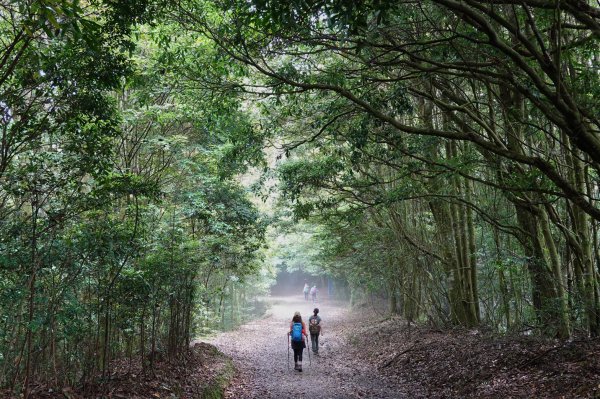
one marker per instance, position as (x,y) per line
(259,350)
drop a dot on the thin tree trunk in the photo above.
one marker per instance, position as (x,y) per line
(32,281)
(564,331)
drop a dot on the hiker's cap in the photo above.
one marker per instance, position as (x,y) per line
(297,314)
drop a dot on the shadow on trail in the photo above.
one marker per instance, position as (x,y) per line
(260,352)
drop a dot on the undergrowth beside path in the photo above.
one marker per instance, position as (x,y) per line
(471,364)
(203,373)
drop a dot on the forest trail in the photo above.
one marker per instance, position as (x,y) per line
(259,351)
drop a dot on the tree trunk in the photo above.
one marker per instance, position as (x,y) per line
(32,281)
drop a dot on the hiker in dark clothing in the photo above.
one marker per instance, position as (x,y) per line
(298,333)
(315,329)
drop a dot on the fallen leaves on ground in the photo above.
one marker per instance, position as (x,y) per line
(474,364)
(189,376)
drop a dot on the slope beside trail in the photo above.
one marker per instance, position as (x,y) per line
(260,353)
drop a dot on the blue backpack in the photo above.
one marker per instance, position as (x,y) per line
(297,332)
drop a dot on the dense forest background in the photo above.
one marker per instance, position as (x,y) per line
(160,162)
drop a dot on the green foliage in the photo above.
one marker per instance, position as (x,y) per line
(125,228)
(442,155)
(429,122)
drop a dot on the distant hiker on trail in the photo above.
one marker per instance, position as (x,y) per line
(315,329)
(313,293)
(297,330)
(306,288)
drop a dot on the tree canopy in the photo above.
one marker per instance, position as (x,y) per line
(441,154)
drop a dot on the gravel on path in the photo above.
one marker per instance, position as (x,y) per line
(260,353)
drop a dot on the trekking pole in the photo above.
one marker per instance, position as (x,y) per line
(309,350)
(288,346)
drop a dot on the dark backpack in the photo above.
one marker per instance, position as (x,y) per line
(297,332)
(313,325)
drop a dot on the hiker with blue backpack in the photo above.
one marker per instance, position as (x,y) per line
(297,334)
